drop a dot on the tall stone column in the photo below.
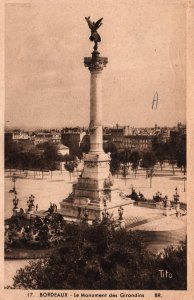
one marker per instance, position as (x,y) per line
(95,64)
(96,138)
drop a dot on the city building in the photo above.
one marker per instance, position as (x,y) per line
(138,142)
(18,136)
(72,137)
(140,139)
(42,137)
(117,136)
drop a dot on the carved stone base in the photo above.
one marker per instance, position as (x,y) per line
(74,207)
(76,211)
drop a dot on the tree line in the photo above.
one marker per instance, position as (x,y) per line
(173,151)
(42,157)
(98,257)
(45,156)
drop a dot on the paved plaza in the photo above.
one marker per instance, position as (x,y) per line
(53,190)
(58,187)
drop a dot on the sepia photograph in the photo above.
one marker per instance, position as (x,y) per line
(95,155)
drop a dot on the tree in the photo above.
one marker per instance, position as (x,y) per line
(125,171)
(125,156)
(109,147)
(174,260)
(12,154)
(160,153)
(52,167)
(25,160)
(95,257)
(69,166)
(69,157)
(181,160)
(42,163)
(148,162)
(172,150)
(75,150)
(50,156)
(50,151)
(71,162)
(134,160)
(43,156)
(172,162)
(34,270)
(85,144)
(114,163)
(100,257)
(181,154)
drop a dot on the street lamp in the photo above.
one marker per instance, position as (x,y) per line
(105,214)
(30,202)
(121,220)
(176,196)
(15,202)
(104,202)
(14,181)
(120,211)
(184,178)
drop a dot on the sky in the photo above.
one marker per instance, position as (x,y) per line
(47,85)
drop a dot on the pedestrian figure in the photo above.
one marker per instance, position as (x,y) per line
(165,201)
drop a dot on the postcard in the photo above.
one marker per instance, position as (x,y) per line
(97,137)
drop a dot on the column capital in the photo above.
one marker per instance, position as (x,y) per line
(95,63)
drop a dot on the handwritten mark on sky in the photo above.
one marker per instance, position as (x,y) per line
(155,101)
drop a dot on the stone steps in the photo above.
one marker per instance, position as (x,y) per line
(171,236)
(137,221)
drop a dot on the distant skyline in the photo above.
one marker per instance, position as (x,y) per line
(47,85)
(26,128)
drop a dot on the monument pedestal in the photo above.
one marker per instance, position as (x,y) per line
(92,190)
